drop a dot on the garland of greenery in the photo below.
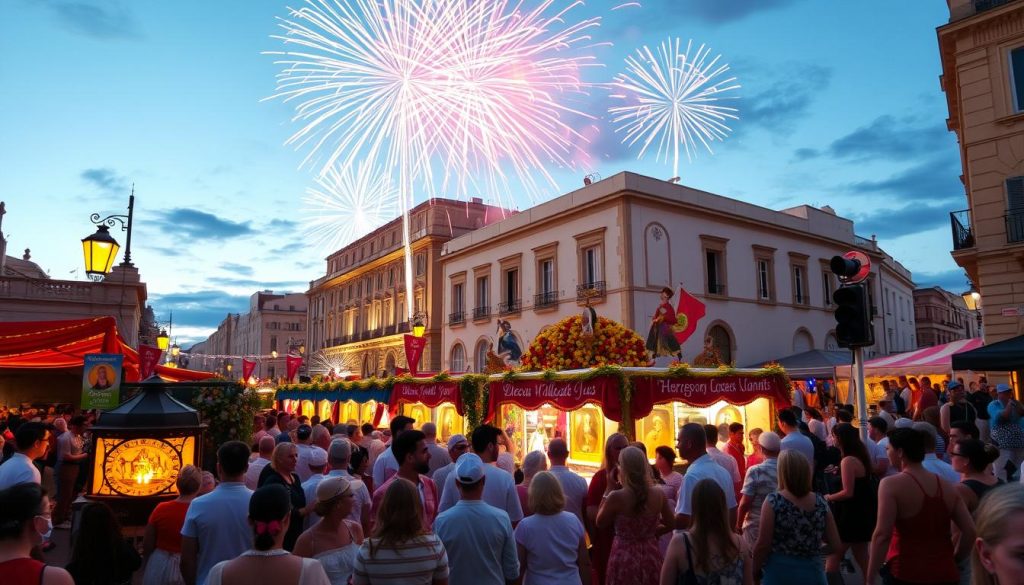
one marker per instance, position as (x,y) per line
(228,412)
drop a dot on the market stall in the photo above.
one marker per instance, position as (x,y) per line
(354,401)
(813,374)
(429,400)
(935,362)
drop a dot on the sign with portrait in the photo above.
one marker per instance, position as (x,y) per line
(586,434)
(656,429)
(449,422)
(101,380)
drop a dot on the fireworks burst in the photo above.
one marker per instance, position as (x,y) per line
(473,87)
(673,101)
(347,205)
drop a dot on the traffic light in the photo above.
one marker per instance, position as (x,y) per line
(853,316)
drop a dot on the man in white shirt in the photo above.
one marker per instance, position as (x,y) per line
(32,440)
(500,487)
(692,446)
(438,455)
(307,453)
(71,456)
(339,453)
(252,475)
(573,486)
(931,462)
(726,461)
(457,446)
(906,394)
(877,442)
(386,465)
(793,438)
(887,411)
(217,524)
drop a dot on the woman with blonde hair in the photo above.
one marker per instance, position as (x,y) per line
(995,556)
(551,542)
(161,545)
(281,471)
(708,550)
(794,520)
(639,512)
(401,551)
(333,540)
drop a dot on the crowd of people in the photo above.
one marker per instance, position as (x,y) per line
(926,499)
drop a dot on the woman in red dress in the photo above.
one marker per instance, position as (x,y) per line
(25,523)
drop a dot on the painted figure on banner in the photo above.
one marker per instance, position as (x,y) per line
(661,339)
(508,346)
(586,433)
(657,430)
(103,380)
(539,439)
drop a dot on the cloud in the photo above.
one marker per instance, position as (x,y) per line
(888,138)
(201,225)
(259,284)
(206,308)
(955,281)
(289,248)
(893,223)
(283,224)
(110,20)
(106,180)
(659,15)
(935,180)
(237,268)
(778,106)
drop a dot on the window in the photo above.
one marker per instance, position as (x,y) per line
(480,355)
(1017,78)
(457,363)
(391,277)
(421,264)
(458,298)
(547,277)
(1015,206)
(591,265)
(380,281)
(273,343)
(827,284)
(798,269)
(511,285)
(482,309)
(722,341)
(714,264)
(764,266)
(590,259)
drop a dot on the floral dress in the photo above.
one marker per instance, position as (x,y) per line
(796,543)
(635,558)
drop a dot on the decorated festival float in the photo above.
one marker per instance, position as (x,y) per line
(581,379)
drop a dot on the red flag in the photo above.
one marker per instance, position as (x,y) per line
(149,357)
(694,311)
(247,368)
(414,351)
(293,364)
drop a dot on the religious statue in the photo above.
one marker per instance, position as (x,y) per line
(508,347)
(589,317)
(661,339)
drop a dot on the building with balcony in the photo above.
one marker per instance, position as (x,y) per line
(274,327)
(762,274)
(358,312)
(982,54)
(942,316)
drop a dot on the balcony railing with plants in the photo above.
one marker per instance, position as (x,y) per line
(590,290)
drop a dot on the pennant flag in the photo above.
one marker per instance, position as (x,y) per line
(149,357)
(293,364)
(247,369)
(689,311)
(414,351)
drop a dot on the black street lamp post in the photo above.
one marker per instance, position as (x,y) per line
(100,248)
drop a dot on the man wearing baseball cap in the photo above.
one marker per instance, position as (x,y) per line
(761,480)
(957,409)
(1005,414)
(307,451)
(478,536)
(457,446)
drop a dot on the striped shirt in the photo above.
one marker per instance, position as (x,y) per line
(415,562)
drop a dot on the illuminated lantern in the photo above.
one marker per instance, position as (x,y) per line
(139,448)
(99,250)
(162,340)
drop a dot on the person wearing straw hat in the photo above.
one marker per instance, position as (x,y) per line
(334,540)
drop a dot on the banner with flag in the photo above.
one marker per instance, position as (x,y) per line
(414,351)
(149,357)
(247,369)
(293,363)
(689,311)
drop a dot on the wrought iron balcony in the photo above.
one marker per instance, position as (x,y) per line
(590,290)
(510,307)
(457,318)
(482,312)
(545,299)
(1015,226)
(963,233)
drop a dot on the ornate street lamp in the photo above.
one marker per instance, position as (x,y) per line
(419,324)
(175,350)
(972,299)
(162,340)
(100,248)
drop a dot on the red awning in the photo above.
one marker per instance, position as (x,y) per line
(64,344)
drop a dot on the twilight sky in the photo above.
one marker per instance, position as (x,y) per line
(840,105)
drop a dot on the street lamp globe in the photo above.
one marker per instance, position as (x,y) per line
(273,354)
(162,340)
(175,350)
(419,324)
(99,250)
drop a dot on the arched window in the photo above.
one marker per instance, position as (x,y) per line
(480,355)
(723,342)
(389,364)
(457,363)
(831,344)
(802,341)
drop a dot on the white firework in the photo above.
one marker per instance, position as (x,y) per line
(348,204)
(672,101)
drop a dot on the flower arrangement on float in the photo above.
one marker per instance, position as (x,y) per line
(565,346)
(229,412)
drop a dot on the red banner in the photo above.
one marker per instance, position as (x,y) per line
(247,369)
(379,414)
(431,395)
(149,357)
(705,391)
(293,363)
(693,309)
(561,394)
(414,351)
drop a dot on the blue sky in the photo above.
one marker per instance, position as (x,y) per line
(840,105)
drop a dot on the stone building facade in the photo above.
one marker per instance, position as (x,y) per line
(942,316)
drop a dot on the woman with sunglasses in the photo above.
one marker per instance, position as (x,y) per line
(334,540)
(971,458)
